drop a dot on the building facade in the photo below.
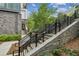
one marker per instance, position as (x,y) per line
(10,18)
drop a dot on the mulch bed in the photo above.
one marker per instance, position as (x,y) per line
(1,42)
(73,44)
(13,48)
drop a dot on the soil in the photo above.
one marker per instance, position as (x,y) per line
(1,42)
(13,48)
(73,44)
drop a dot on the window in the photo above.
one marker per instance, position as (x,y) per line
(10,6)
(2,5)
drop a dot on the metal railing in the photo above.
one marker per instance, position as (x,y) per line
(39,35)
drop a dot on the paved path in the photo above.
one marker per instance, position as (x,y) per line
(4,47)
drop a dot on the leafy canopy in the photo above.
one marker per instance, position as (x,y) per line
(39,19)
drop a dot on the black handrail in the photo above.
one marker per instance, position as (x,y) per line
(34,37)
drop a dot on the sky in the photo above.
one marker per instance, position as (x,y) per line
(61,7)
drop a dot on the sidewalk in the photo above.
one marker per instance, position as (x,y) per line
(4,47)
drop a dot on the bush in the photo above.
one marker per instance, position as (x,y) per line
(45,53)
(72,54)
(76,51)
(56,52)
(66,50)
(13,37)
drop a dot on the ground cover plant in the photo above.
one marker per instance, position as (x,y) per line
(60,52)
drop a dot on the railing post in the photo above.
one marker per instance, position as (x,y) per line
(49,28)
(23,51)
(56,26)
(75,16)
(70,20)
(19,48)
(30,39)
(13,53)
(46,28)
(59,24)
(36,40)
(67,20)
(43,36)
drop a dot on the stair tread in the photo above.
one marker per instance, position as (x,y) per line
(49,35)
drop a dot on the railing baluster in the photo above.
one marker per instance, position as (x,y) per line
(67,20)
(30,39)
(26,49)
(13,53)
(43,36)
(36,39)
(23,51)
(56,27)
(59,24)
(19,48)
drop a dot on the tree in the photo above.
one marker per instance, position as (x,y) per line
(39,19)
(77,10)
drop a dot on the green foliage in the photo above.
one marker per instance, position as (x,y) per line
(60,52)
(14,37)
(77,9)
(44,16)
(61,16)
(56,52)
(31,25)
(66,50)
(39,19)
(45,53)
(76,52)
(72,54)
(71,11)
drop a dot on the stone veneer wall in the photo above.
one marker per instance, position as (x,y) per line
(58,39)
(10,22)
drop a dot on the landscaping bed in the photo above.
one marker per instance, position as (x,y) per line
(73,44)
(60,52)
(71,48)
(13,49)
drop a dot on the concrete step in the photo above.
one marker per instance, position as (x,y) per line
(33,45)
(46,37)
(40,41)
(49,35)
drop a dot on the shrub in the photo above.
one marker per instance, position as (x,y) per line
(76,51)
(45,53)
(56,52)
(72,54)
(66,50)
(13,37)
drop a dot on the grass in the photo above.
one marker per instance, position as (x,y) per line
(13,37)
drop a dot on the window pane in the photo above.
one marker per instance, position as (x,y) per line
(2,5)
(10,6)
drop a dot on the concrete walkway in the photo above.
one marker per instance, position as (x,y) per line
(4,47)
